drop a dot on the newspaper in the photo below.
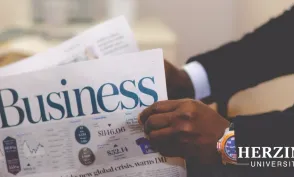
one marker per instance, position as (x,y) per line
(112,37)
(80,119)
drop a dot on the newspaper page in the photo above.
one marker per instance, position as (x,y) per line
(112,37)
(80,119)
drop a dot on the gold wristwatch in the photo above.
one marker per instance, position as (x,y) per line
(226,146)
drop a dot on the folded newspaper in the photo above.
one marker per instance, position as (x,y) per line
(80,119)
(114,37)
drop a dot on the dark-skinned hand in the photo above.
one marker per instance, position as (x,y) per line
(184,128)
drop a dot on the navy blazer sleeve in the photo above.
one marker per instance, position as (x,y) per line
(264,54)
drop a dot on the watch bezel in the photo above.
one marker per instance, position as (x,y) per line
(221,148)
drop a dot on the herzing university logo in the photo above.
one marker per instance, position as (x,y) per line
(56,106)
(273,157)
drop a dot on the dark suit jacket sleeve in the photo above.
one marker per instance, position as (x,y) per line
(273,129)
(266,53)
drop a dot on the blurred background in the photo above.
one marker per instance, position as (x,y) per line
(181,28)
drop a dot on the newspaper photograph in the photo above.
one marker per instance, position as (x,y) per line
(113,37)
(80,119)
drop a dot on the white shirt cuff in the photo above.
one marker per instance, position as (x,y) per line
(199,79)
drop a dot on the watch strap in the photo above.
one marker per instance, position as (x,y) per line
(231,127)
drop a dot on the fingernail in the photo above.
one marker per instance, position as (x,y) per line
(139,119)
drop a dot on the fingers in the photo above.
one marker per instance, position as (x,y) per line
(164,142)
(159,107)
(158,121)
(158,136)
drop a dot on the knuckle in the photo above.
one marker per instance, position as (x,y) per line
(187,128)
(186,115)
(184,128)
(155,107)
(189,101)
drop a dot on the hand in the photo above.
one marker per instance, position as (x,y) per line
(178,83)
(184,128)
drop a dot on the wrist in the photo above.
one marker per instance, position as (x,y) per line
(210,154)
(179,85)
(224,125)
(186,88)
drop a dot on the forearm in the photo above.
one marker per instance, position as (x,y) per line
(265,54)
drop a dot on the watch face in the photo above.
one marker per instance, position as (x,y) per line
(230,148)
